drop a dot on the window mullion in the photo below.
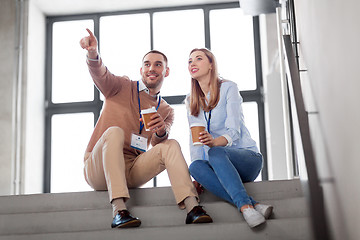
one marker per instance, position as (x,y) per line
(207,27)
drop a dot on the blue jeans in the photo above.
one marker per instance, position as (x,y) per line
(226,171)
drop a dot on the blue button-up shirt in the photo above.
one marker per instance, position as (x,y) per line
(227,120)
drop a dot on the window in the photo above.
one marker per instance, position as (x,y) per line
(230,44)
(74,104)
(122,45)
(176,33)
(69,138)
(69,78)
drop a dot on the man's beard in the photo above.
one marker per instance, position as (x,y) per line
(152,85)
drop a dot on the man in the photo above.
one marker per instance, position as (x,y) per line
(116,158)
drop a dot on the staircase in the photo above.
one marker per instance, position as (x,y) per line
(87,215)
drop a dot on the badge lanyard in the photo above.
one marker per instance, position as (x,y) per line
(141,124)
(208,120)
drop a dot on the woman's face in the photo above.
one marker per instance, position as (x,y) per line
(199,65)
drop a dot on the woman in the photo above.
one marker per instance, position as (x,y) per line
(229,156)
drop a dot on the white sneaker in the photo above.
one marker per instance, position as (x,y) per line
(253,217)
(265,210)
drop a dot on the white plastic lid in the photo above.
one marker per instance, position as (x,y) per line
(149,110)
(198,125)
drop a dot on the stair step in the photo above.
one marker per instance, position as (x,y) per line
(87,215)
(294,229)
(151,216)
(161,196)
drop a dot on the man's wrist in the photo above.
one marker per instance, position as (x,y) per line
(92,55)
(161,136)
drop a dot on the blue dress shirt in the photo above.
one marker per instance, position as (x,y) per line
(227,120)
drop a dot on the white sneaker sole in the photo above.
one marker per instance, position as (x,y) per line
(268,212)
(257,223)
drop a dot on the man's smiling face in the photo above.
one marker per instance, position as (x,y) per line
(153,71)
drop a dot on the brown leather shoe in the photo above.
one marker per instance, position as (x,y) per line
(123,219)
(198,215)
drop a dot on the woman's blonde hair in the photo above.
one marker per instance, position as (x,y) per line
(197,97)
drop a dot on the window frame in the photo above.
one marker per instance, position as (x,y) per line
(95,106)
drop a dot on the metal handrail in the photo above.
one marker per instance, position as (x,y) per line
(304,149)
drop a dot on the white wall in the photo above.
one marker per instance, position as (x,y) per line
(275,134)
(34,151)
(25,104)
(7,71)
(329,42)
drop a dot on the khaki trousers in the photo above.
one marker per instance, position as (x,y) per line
(106,167)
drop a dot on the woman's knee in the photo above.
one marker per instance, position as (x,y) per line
(196,167)
(216,150)
(216,153)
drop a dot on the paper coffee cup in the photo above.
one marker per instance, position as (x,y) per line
(196,129)
(146,114)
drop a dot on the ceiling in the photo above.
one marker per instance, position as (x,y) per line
(69,7)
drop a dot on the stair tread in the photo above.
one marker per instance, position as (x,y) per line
(87,215)
(165,216)
(161,196)
(292,228)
